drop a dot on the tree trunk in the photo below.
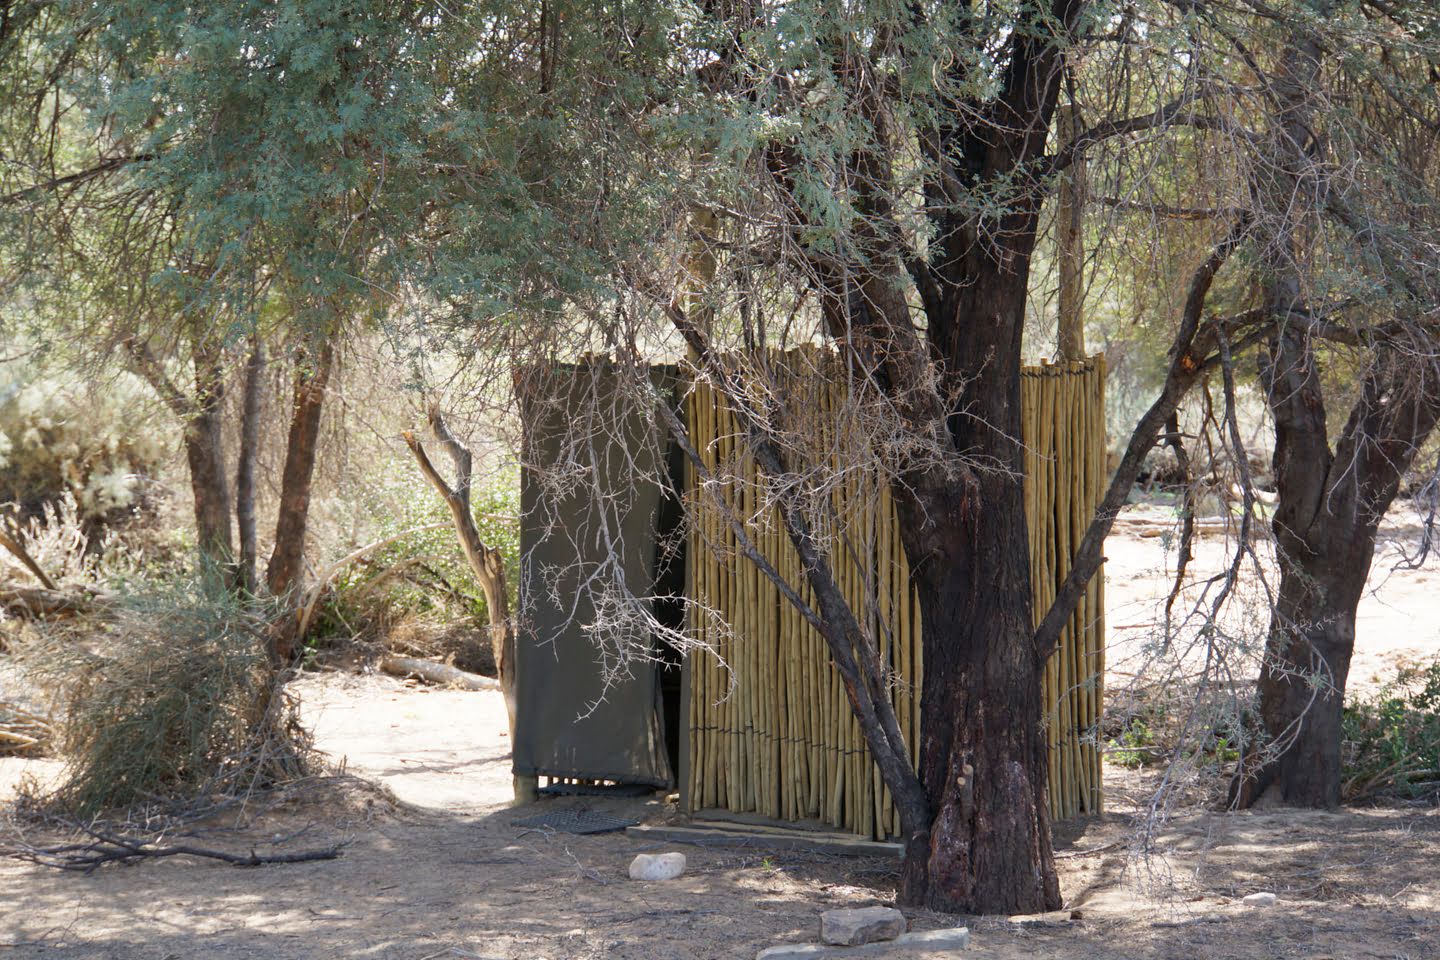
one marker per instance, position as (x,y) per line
(286,568)
(1302,688)
(205,455)
(983,758)
(204,442)
(1070,243)
(486,562)
(245,467)
(1329,509)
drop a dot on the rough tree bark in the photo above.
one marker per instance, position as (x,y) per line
(983,756)
(204,442)
(285,572)
(1329,508)
(1070,243)
(245,467)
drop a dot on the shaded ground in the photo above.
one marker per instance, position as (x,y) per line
(448,874)
(442,871)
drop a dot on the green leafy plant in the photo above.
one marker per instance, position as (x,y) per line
(423,573)
(1392,738)
(1134,747)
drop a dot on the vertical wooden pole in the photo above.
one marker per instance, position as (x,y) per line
(1070,240)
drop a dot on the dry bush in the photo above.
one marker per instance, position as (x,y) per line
(100,447)
(174,700)
(462,642)
(23,731)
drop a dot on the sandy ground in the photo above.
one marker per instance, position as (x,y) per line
(437,868)
(1398,621)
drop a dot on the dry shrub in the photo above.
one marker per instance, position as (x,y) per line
(173,701)
(98,446)
(24,731)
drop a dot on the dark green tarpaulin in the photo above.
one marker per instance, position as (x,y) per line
(590,496)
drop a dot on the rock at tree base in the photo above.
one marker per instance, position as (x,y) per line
(954,938)
(848,928)
(908,946)
(657,866)
(1259,900)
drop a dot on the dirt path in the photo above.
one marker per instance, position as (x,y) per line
(448,874)
(451,875)
(1398,621)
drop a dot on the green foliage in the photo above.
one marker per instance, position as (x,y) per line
(424,572)
(1392,738)
(1134,747)
(339,151)
(175,700)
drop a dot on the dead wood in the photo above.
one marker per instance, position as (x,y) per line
(437,673)
(18,550)
(107,847)
(42,602)
(23,731)
(486,562)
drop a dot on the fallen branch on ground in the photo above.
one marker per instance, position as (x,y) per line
(438,673)
(106,847)
(40,602)
(23,731)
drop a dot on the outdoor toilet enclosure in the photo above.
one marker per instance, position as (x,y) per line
(756,721)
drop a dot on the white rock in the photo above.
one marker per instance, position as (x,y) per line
(848,928)
(938,943)
(790,951)
(1259,900)
(657,866)
(954,938)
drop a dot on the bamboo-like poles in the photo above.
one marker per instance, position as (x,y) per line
(771,730)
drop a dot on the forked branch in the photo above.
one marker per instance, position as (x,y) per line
(486,562)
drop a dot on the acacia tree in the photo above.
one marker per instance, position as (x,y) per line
(1346,195)
(892,166)
(892,169)
(227,161)
(95,254)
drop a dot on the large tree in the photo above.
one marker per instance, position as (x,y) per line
(890,167)
(1347,198)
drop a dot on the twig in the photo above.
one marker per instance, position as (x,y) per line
(23,555)
(108,847)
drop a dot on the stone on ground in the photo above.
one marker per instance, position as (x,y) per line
(657,866)
(1259,900)
(907,946)
(954,938)
(791,951)
(849,928)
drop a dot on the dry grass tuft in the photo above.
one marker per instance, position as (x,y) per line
(173,701)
